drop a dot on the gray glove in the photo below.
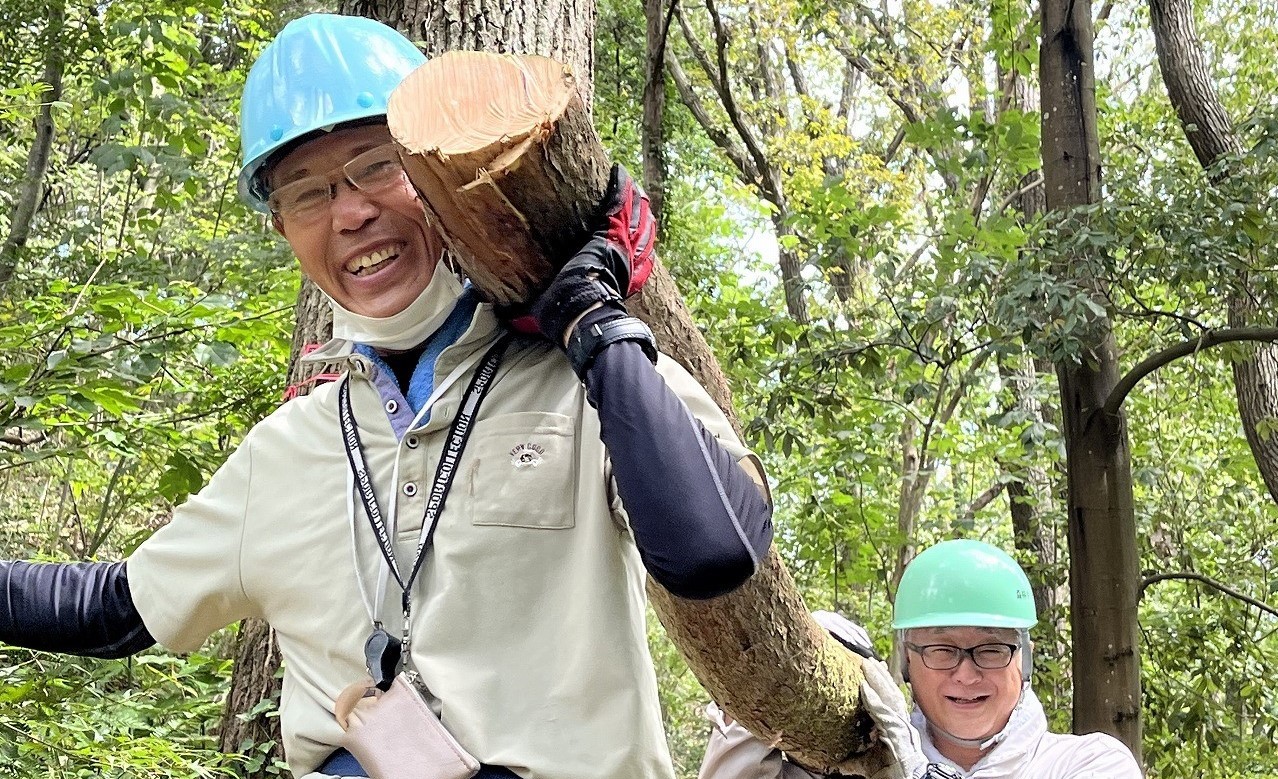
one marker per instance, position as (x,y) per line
(883,700)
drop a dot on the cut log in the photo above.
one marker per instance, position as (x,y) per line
(503,152)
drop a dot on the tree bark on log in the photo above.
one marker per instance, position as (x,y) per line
(756,650)
(775,670)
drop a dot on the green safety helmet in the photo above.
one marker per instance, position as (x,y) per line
(964,584)
(321,71)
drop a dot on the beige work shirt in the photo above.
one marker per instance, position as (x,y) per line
(529,612)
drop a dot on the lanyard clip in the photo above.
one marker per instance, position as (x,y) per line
(404,640)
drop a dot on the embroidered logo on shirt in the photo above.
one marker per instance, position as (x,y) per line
(527,455)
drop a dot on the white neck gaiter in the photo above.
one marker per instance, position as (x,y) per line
(409,327)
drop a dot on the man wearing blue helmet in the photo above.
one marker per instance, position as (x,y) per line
(569,464)
(962,617)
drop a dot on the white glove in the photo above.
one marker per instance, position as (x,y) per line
(883,701)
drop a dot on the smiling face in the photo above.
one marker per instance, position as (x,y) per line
(966,702)
(371,253)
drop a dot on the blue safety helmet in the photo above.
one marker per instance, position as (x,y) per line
(321,71)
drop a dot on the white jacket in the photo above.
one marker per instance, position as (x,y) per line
(1029,750)
(1026,751)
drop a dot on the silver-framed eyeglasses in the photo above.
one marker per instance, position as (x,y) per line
(307,199)
(946,657)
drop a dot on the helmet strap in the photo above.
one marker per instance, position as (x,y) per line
(982,744)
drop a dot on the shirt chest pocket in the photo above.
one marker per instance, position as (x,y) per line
(521,471)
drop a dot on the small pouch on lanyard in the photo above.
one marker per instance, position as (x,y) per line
(395,735)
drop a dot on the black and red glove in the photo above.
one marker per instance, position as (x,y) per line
(612,265)
(624,247)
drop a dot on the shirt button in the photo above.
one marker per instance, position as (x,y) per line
(411,442)
(410,489)
(392,406)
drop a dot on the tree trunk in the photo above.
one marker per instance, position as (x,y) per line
(1104,563)
(792,284)
(653,138)
(909,500)
(561,29)
(1029,491)
(257,657)
(1210,133)
(1207,125)
(248,727)
(1256,385)
(24,209)
(1029,497)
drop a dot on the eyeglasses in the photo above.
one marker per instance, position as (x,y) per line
(307,200)
(944,657)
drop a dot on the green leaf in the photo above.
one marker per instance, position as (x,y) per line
(181,477)
(218,353)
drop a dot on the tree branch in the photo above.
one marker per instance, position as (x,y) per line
(1198,577)
(665,37)
(698,51)
(769,77)
(851,81)
(797,78)
(895,145)
(37,165)
(16,440)
(983,500)
(1032,184)
(863,65)
(734,152)
(652,135)
(771,182)
(1157,360)
(1207,125)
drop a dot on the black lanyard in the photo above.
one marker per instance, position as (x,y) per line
(379,654)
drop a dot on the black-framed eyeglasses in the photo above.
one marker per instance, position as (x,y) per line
(946,657)
(307,199)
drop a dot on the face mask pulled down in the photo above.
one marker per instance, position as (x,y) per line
(409,327)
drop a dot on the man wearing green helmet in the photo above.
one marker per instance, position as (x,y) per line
(516,614)
(962,617)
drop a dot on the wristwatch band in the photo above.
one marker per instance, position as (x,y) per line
(586,342)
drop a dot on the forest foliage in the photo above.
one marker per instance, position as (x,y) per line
(850,230)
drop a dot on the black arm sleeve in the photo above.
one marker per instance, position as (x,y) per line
(75,608)
(700,522)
